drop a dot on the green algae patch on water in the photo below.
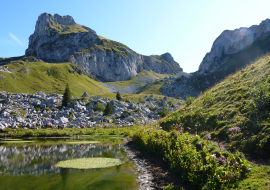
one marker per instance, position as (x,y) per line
(83,142)
(89,163)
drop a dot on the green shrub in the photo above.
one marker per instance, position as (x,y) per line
(189,100)
(14,113)
(99,107)
(37,108)
(261,96)
(200,167)
(207,99)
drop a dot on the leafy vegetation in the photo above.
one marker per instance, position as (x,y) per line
(189,100)
(99,107)
(193,158)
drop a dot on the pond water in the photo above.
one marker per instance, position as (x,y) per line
(31,165)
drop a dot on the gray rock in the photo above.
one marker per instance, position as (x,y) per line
(230,42)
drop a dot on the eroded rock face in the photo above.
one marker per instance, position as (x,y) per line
(56,38)
(230,42)
(61,39)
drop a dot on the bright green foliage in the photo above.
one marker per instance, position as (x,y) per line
(194,163)
(66,96)
(189,100)
(108,109)
(99,107)
(118,96)
(261,97)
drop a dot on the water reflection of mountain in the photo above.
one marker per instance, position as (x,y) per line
(37,160)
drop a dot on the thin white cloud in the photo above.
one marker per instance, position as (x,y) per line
(15,38)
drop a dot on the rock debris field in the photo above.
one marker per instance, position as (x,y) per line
(40,110)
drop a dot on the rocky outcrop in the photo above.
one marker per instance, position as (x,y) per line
(61,39)
(56,38)
(161,64)
(230,42)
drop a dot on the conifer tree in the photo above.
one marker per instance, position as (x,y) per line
(108,109)
(118,96)
(66,96)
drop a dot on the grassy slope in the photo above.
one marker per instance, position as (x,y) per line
(36,76)
(143,76)
(229,104)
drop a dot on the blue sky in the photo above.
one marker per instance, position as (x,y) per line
(186,29)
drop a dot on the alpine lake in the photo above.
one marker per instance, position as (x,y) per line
(66,164)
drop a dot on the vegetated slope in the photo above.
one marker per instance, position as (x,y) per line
(31,77)
(242,100)
(200,82)
(135,83)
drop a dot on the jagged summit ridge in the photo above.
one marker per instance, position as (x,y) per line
(230,42)
(60,39)
(55,38)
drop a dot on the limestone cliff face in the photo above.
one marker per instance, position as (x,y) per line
(61,39)
(230,42)
(161,64)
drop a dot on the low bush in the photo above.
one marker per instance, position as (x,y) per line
(189,100)
(201,167)
(99,107)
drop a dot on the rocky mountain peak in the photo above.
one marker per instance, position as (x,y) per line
(46,21)
(60,39)
(168,57)
(230,42)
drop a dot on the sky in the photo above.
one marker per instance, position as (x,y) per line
(186,29)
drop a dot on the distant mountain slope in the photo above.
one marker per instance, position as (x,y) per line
(242,100)
(28,75)
(61,39)
(198,83)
